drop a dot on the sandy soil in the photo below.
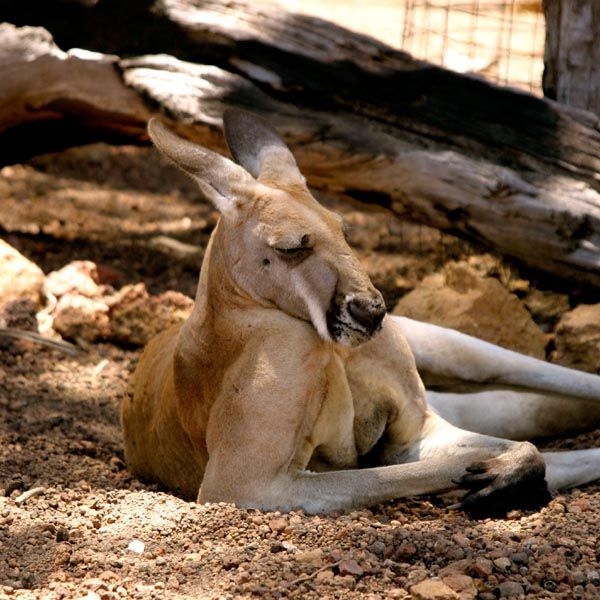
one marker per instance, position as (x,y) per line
(75,524)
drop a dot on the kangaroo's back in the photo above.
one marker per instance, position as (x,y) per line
(156,446)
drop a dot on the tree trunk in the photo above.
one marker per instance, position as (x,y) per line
(572,53)
(516,173)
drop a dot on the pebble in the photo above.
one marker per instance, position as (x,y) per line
(520,558)
(463,585)
(483,567)
(325,576)
(510,589)
(350,567)
(502,563)
(62,534)
(136,546)
(461,540)
(289,547)
(313,557)
(278,524)
(579,505)
(433,589)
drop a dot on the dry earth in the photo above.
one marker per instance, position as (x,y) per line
(74,524)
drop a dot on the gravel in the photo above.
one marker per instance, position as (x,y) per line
(75,524)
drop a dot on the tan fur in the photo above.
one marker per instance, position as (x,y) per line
(282,385)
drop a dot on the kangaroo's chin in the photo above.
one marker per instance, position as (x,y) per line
(347,332)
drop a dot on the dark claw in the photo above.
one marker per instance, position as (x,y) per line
(477,468)
(492,501)
(505,483)
(478,479)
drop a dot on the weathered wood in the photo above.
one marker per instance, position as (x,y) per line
(572,53)
(549,222)
(514,172)
(84,97)
(314,63)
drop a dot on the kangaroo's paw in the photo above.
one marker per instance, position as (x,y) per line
(515,479)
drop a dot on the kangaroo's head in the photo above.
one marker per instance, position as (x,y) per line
(281,247)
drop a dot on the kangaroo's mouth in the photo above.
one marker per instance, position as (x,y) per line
(353,320)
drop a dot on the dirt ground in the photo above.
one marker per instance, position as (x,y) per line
(75,524)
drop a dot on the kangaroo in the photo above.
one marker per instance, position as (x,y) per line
(289,387)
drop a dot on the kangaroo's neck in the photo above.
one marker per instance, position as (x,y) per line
(218,295)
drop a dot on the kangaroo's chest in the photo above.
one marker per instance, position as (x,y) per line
(355,418)
(351,423)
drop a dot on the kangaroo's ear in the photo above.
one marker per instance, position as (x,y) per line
(223,182)
(256,146)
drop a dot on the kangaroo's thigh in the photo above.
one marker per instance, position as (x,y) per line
(516,414)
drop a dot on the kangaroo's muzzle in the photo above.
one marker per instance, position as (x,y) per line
(355,318)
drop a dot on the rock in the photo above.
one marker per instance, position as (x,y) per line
(350,567)
(579,505)
(462,540)
(578,338)
(325,576)
(378,548)
(78,277)
(136,316)
(520,558)
(462,299)
(78,317)
(405,551)
(345,581)
(20,279)
(278,524)
(511,589)
(415,576)
(312,557)
(277,547)
(19,314)
(546,307)
(502,563)
(136,546)
(459,567)
(131,316)
(483,567)
(433,589)
(463,585)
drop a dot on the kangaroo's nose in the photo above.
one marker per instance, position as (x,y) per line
(367,312)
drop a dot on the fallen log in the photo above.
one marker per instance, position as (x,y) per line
(50,98)
(516,173)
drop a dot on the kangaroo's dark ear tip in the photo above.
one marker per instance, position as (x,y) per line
(238,119)
(232,112)
(233,116)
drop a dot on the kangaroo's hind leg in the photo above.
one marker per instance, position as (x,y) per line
(516,414)
(482,387)
(509,395)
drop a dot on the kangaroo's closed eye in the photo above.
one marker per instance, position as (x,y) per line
(293,253)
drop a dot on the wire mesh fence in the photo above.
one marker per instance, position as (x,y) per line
(502,40)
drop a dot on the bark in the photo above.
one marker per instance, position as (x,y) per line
(516,173)
(50,98)
(572,53)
